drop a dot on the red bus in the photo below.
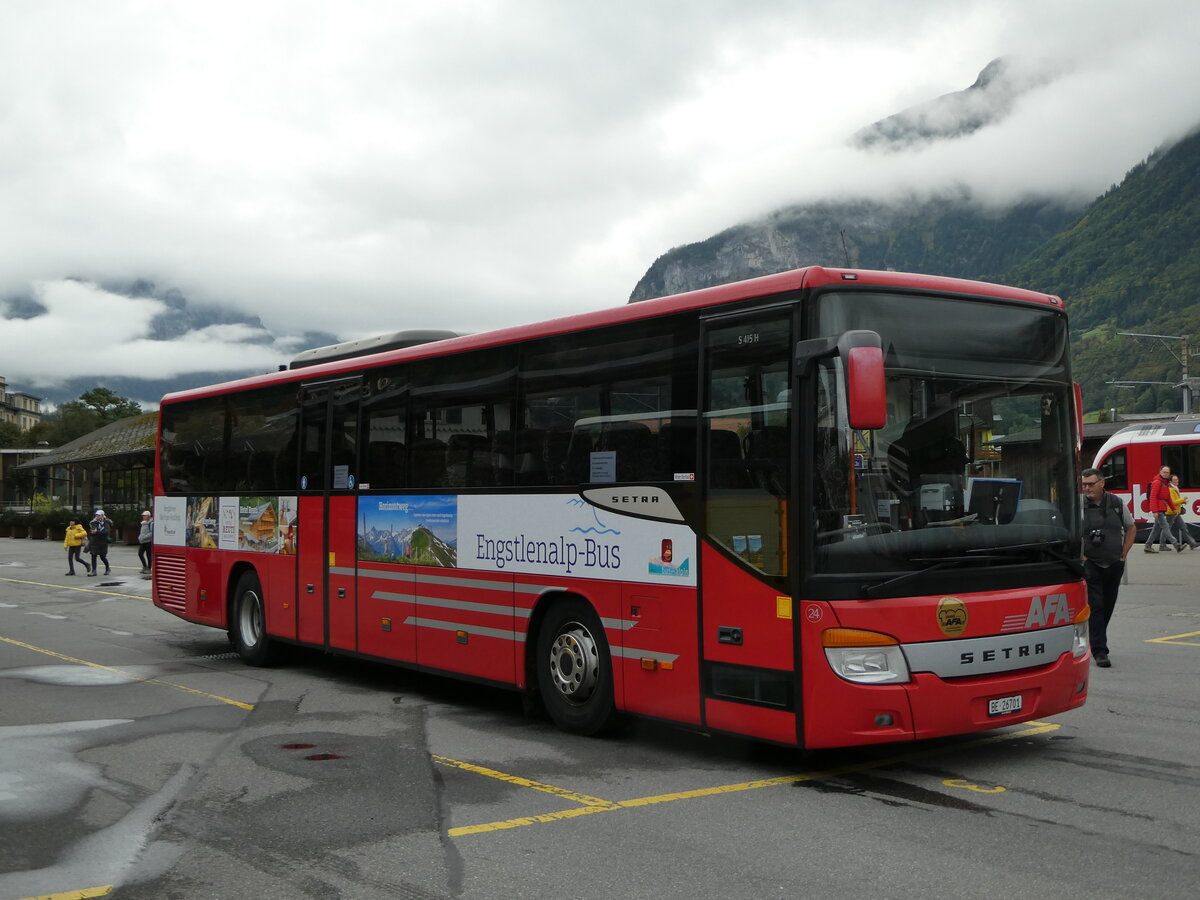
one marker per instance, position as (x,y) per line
(1133,456)
(775,509)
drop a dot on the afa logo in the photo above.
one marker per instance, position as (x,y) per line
(952,616)
(1052,610)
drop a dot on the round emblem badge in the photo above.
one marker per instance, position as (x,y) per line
(952,616)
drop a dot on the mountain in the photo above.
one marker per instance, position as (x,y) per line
(951,235)
(417,545)
(1128,261)
(955,115)
(179,317)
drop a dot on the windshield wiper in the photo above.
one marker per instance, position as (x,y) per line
(983,554)
(1049,547)
(935,562)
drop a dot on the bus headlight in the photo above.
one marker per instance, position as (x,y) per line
(865,657)
(1081,641)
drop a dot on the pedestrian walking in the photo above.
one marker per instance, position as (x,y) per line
(99,535)
(146,541)
(1175,517)
(73,544)
(1108,533)
(1159,502)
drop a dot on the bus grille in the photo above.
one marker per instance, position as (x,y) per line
(170,582)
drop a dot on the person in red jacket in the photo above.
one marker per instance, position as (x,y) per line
(1159,502)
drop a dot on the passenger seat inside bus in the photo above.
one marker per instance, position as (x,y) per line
(428,462)
(727,468)
(385,464)
(636,449)
(468,461)
(767,460)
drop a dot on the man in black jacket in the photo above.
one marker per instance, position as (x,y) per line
(1108,533)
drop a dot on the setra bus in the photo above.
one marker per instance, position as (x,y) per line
(778,509)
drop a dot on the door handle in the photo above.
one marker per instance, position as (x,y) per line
(729,635)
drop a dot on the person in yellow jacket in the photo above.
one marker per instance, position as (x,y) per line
(1175,517)
(73,544)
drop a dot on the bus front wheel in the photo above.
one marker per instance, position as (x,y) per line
(574,669)
(248,626)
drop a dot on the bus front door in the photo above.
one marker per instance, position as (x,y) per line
(746,605)
(327,546)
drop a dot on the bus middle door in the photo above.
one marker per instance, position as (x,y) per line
(328,482)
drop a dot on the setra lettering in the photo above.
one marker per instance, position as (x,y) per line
(1019,651)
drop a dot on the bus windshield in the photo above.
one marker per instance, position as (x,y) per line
(974,465)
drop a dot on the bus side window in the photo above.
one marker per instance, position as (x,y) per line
(383,422)
(586,399)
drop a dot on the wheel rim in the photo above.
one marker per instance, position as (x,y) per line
(575,663)
(250,622)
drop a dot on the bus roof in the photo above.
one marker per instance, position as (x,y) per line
(796,279)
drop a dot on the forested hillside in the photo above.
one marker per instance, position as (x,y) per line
(1130,263)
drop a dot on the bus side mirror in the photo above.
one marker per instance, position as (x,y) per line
(866,389)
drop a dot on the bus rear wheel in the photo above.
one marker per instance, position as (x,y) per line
(574,669)
(248,624)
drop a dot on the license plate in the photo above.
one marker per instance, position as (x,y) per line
(1003,706)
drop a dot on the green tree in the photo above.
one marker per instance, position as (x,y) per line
(10,435)
(75,418)
(108,405)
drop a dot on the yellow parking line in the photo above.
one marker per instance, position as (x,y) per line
(76,895)
(582,799)
(84,662)
(599,806)
(71,587)
(1174,639)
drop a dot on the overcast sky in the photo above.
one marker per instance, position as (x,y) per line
(363,167)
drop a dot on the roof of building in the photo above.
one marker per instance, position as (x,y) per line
(1092,431)
(136,434)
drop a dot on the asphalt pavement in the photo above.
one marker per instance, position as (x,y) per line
(144,759)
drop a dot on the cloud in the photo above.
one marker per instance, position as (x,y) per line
(364,168)
(85,328)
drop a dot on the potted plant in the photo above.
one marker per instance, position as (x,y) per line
(20,525)
(55,521)
(127,524)
(43,512)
